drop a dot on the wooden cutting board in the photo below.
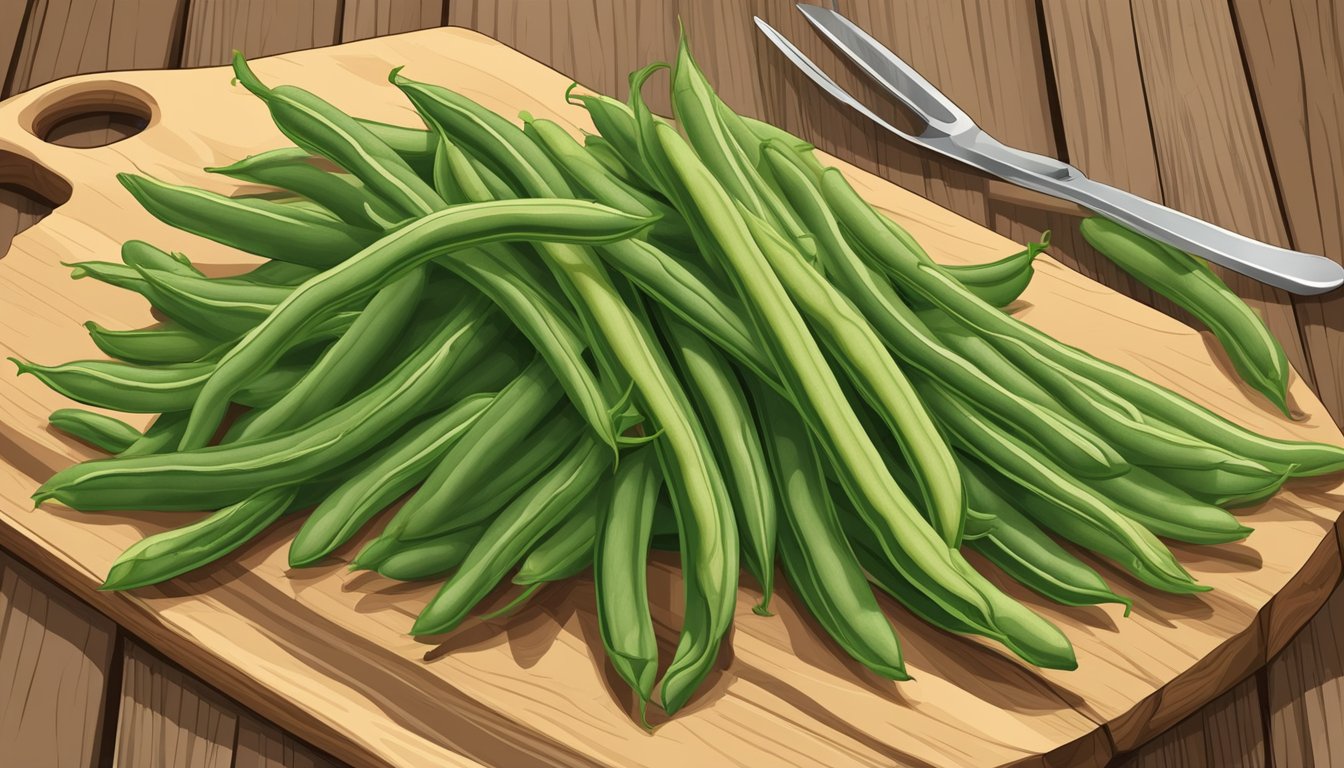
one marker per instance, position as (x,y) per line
(324,653)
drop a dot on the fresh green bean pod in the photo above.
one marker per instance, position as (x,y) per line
(161,436)
(396,254)
(1000,282)
(620,572)
(142,255)
(817,558)
(295,170)
(212,307)
(343,365)
(260,227)
(568,548)
(431,558)
(102,432)
(1167,510)
(615,123)
(1156,403)
(274,273)
(162,556)
(165,344)
(1066,442)
(318,127)
(118,275)
(139,389)
(220,475)
(398,468)
(1026,553)
(718,395)
(415,146)
(1255,354)
(516,530)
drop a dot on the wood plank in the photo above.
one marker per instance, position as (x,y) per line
(169,718)
(12,19)
(216,28)
(375,18)
(1228,733)
(68,37)
(1292,49)
(1210,150)
(262,745)
(54,657)
(20,209)
(1305,687)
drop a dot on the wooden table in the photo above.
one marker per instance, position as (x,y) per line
(1243,139)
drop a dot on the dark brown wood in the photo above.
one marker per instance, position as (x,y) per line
(215,28)
(1228,733)
(170,719)
(375,18)
(54,657)
(12,15)
(262,745)
(1305,692)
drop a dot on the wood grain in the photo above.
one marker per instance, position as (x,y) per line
(216,28)
(262,745)
(375,18)
(54,657)
(169,719)
(12,16)
(20,208)
(1291,48)
(1228,733)
(1305,687)
(324,654)
(68,37)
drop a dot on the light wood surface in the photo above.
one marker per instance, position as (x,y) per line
(324,654)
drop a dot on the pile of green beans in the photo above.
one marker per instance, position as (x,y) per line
(485,352)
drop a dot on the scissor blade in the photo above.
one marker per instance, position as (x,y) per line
(823,80)
(892,73)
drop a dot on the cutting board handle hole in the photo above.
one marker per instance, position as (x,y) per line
(91,114)
(28,194)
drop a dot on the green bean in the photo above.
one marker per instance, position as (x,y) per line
(167,343)
(905,537)
(117,275)
(162,556)
(431,558)
(161,436)
(567,549)
(620,572)
(721,403)
(516,530)
(396,254)
(341,366)
(138,389)
(142,255)
(615,123)
(213,477)
(1023,551)
(601,151)
(319,128)
(818,560)
(212,307)
(293,169)
(102,432)
(415,146)
(274,273)
(400,466)
(1254,352)
(1156,403)
(1063,440)
(256,226)
(1000,282)
(1084,516)
(879,379)
(1168,511)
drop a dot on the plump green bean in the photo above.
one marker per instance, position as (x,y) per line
(1023,551)
(399,467)
(318,127)
(1084,516)
(396,254)
(1156,403)
(102,432)
(1255,354)
(260,227)
(165,344)
(274,273)
(431,558)
(721,402)
(620,572)
(516,530)
(615,123)
(1168,511)
(161,436)
(142,255)
(567,549)
(818,560)
(220,475)
(212,307)
(415,146)
(1064,440)
(344,364)
(1000,282)
(158,389)
(295,170)
(119,275)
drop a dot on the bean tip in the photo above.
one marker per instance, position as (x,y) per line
(395,75)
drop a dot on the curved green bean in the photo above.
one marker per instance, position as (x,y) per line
(102,432)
